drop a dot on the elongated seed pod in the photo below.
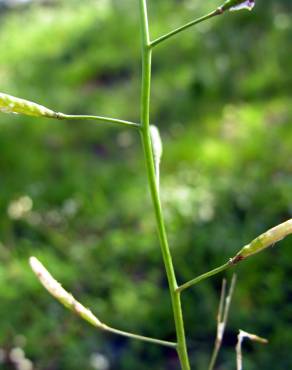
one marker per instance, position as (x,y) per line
(11,104)
(57,291)
(264,241)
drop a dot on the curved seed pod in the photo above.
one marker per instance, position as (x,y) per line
(11,104)
(264,241)
(237,5)
(57,291)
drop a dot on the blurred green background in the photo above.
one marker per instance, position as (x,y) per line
(74,194)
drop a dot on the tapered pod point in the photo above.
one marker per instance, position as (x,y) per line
(12,104)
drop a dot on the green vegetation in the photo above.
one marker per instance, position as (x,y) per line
(74,193)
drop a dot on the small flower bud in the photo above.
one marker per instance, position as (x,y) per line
(157,148)
(237,5)
(11,104)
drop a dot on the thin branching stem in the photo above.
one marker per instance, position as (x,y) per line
(222,317)
(205,276)
(140,338)
(228,299)
(220,313)
(219,321)
(101,119)
(185,27)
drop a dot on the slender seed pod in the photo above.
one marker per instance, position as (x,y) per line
(57,291)
(264,241)
(11,104)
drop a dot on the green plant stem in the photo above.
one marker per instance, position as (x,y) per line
(146,141)
(185,27)
(62,116)
(204,276)
(140,337)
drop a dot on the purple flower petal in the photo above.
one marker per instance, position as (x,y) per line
(247,4)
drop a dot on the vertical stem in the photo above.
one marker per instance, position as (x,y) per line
(146,140)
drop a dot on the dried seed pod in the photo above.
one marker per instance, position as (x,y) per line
(241,336)
(264,241)
(11,104)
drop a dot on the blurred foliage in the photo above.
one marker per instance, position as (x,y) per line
(75,195)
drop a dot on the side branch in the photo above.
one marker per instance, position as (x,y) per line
(185,27)
(265,240)
(205,276)
(12,104)
(62,116)
(58,292)
(227,5)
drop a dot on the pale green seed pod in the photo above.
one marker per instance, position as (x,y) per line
(57,291)
(264,241)
(11,104)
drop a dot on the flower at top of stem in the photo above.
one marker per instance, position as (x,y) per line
(233,5)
